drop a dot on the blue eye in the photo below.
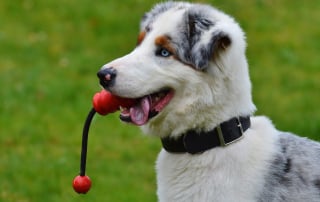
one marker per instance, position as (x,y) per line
(163,52)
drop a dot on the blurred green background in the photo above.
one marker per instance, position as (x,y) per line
(50,52)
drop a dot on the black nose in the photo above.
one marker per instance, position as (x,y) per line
(107,76)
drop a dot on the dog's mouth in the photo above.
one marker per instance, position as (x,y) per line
(146,107)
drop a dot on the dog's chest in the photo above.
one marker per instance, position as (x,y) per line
(225,174)
(203,179)
(234,173)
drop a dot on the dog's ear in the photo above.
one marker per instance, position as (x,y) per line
(205,42)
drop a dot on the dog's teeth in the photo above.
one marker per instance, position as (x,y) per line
(158,96)
(123,108)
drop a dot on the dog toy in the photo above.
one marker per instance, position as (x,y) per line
(103,103)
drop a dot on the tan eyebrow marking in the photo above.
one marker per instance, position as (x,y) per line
(141,37)
(164,41)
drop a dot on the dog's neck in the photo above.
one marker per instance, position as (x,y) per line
(194,142)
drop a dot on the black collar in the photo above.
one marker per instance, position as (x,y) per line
(194,142)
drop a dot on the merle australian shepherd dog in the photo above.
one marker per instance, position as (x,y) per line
(189,74)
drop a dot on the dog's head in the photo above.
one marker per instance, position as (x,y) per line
(188,70)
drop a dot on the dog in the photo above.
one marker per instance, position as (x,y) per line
(189,77)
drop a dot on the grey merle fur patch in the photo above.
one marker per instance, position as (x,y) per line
(293,175)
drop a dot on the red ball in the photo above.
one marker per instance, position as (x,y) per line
(104,102)
(81,184)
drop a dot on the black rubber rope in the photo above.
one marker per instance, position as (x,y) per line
(84,146)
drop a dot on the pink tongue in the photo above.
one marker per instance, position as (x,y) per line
(139,113)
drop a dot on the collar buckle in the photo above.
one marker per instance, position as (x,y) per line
(223,143)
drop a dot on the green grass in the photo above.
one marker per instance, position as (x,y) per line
(50,52)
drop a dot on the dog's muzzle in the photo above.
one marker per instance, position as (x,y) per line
(107,77)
